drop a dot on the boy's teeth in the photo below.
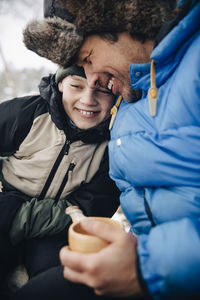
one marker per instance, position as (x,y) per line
(86,112)
(110,84)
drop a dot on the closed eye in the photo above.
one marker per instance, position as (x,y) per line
(104,91)
(87,59)
(76,86)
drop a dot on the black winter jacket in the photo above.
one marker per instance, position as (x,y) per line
(50,164)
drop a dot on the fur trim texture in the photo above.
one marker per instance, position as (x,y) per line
(59,41)
(54,39)
(141,18)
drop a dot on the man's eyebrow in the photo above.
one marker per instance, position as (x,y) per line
(82,53)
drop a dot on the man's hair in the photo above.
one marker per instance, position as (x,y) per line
(111,37)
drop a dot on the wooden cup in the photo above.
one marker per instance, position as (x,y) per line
(80,241)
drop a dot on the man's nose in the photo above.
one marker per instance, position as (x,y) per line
(92,78)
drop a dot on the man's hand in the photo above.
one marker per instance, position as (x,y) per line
(111,271)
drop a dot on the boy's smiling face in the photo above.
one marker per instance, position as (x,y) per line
(86,107)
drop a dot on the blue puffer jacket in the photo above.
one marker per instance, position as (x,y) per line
(155,162)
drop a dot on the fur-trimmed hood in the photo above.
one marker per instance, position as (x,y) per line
(59,40)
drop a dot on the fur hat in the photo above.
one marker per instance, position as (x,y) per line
(59,40)
(72,70)
(53,8)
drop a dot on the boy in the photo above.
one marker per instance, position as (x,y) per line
(56,144)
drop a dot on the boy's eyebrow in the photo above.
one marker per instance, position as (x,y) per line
(78,78)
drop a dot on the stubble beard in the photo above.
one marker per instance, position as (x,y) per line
(132,96)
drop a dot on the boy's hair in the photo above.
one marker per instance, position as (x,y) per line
(72,70)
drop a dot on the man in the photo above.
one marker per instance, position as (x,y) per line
(154,148)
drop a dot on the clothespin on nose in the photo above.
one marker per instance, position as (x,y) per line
(153,91)
(113,112)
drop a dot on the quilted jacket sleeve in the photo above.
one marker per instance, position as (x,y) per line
(38,219)
(16,117)
(170,259)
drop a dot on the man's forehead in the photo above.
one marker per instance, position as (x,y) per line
(89,45)
(88,42)
(83,53)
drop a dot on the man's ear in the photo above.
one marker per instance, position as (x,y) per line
(60,86)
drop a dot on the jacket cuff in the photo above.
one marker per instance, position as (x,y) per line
(150,279)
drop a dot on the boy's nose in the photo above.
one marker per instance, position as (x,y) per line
(88,98)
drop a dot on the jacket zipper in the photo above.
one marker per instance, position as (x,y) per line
(67,146)
(65,179)
(64,151)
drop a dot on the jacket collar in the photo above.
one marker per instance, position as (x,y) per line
(168,52)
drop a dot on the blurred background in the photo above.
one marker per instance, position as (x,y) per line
(20,68)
